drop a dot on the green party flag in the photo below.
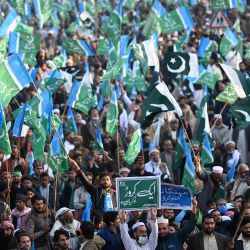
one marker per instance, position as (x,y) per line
(247,53)
(81,96)
(113,72)
(220,5)
(135,80)
(76,46)
(206,152)
(5,147)
(152,24)
(23,28)
(134,147)
(112,115)
(59,162)
(103,47)
(228,42)
(204,126)
(228,95)
(176,20)
(38,137)
(112,26)
(208,78)
(240,112)
(3,49)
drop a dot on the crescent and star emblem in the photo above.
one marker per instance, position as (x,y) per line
(180,69)
(247,116)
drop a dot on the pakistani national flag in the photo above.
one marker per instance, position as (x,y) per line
(240,112)
(178,63)
(228,95)
(159,100)
(77,46)
(176,20)
(152,23)
(238,80)
(134,147)
(5,147)
(13,78)
(112,115)
(228,42)
(81,97)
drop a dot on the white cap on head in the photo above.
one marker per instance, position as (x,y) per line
(137,224)
(230,142)
(61,212)
(218,116)
(162,220)
(153,150)
(217,170)
(124,170)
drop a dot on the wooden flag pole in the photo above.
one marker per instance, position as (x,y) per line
(118,156)
(220,113)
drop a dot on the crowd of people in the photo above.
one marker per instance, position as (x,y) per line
(75,207)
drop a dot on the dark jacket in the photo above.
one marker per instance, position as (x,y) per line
(175,241)
(239,245)
(96,193)
(65,197)
(113,241)
(51,197)
(196,241)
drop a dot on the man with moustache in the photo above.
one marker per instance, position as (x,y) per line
(39,223)
(207,239)
(243,241)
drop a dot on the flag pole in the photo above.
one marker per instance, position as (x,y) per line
(186,134)
(220,113)
(56,183)
(118,157)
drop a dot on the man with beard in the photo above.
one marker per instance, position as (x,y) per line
(39,223)
(61,240)
(15,187)
(103,196)
(221,226)
(207,238)
(155,166)
(243,241)
(65,220)
(167,240)
(139,168)
(213,185)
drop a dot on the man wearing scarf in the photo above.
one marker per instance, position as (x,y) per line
(103,196)
(20,213)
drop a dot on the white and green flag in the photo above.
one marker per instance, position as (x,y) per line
(228,42)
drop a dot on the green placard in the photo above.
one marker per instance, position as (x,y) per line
(137,193)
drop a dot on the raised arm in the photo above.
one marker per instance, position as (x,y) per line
(88,186)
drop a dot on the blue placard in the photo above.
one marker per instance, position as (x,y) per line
(175,197)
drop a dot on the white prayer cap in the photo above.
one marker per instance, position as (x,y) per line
(217,170)
(218,116)
(153,150)
(230,142)
(162,220)
(62,211)
(56,111)
(137,224)
(124,170)
(210,211)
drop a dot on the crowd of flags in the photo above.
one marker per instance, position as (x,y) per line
(128,62)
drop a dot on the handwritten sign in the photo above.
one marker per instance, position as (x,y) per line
(175,197)
(136,193)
